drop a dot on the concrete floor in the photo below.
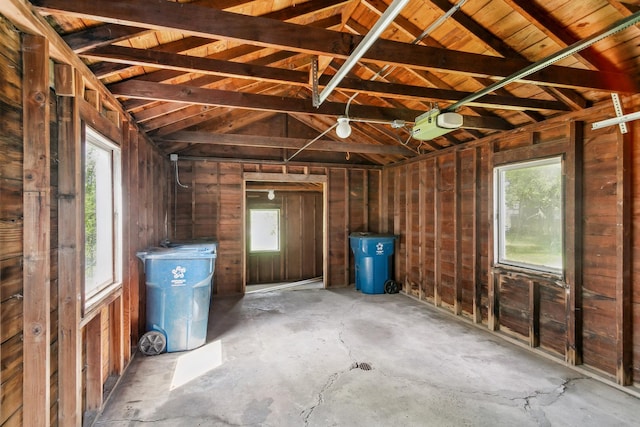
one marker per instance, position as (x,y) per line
(295,358)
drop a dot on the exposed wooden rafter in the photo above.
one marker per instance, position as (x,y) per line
(205,22)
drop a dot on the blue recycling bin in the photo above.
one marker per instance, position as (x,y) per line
(178,284)
(373,255)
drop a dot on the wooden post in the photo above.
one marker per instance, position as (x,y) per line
(437,296)
(127,249)
(116,341)
(624,319)
(134,237)
(409,230)
(37,229)
(70,244)
(457,231)
(423,224)
(534,313)
(477,202)
(493,320)
(573,243)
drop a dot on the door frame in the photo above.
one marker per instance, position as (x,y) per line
(285,178)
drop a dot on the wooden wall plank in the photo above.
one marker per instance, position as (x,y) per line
(437,235)
(534,313)
(37,323)
(95,380)
(136,269)
(70,244)
(573,243)
(457,231)
(127,250)
(624,319)
(476,243)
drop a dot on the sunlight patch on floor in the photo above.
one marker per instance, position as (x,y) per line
(195,363)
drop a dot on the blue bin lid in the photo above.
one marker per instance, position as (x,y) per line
(367,235)
(199,245)
(180,252)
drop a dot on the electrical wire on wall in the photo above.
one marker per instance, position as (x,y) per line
(174,160)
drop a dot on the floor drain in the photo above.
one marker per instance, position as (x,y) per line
(362,365)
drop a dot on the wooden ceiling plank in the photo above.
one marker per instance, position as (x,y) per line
(106,69)
(281,142)
(204,22)
(500,47)
(196,115)
(101,35)
(559,34)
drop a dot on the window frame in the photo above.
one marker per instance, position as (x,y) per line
(499,209)
(278,234)
(94,295)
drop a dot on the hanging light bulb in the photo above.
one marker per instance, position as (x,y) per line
(271,195)
(343,130)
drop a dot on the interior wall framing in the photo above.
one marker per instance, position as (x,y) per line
(441,205)
(211,207)
(79,350)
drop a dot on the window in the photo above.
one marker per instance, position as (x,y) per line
(102,203)
(529,215)
(264,230)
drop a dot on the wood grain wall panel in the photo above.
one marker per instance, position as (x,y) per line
(11,226)
(374,194)
(338,229)
(413,230)
(427,213)
(553,326)
(446,228)
(311,232)
(530,308)
(399,226)
(214,210)
(228,274)
(514,306)
(634,128)
(358,215)
(482,230)
(599,253)
(467,228)
(293,237)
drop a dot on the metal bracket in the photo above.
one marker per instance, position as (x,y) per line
(620,119)
(315,93)
(617,106)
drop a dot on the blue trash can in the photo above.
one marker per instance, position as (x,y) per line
(373,255)
(178,284)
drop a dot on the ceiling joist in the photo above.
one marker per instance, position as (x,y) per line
(206,22)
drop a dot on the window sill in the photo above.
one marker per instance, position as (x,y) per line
(520,272)
(97,302)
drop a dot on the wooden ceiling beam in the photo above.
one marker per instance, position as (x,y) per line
(192,64)
(320,124)
(252,101)
(413,31)
(103,70)
(106,69)
(101,35)
(281,142)
(205,22)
